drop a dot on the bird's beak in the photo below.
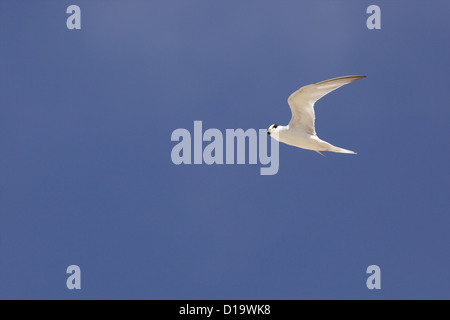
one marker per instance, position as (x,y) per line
(269,131)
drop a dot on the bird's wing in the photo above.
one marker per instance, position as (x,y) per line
(302,101)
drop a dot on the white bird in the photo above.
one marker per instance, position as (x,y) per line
(301,132)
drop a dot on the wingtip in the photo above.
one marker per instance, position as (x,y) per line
(355,78)
(348,79)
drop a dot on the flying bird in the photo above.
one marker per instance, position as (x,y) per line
(301,132)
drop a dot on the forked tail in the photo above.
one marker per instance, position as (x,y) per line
(341,150)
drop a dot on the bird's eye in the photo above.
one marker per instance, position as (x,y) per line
(275,126)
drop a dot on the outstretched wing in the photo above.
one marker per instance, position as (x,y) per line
(302,101)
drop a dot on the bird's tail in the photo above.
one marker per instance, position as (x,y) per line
(341,150)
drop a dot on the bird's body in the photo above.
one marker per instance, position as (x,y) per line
(304,140)
(300,132)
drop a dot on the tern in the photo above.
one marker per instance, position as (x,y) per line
(301,132)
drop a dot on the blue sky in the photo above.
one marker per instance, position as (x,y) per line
(86,176)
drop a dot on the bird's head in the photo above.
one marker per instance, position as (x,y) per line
(272,128)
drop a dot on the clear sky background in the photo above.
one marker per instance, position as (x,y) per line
(86,175)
